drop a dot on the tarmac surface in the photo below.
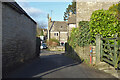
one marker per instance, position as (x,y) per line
(52,64)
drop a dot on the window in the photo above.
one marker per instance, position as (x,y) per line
(55,34)
(61,26)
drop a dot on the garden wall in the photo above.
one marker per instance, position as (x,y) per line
(82,52)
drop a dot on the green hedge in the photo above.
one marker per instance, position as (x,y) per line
(105,23)
(80,36)
(73,40)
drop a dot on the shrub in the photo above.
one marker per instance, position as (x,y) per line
(80,36)
(73,37)
(53,42)
(116,8)
(105,23)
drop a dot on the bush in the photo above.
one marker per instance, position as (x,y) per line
(105,23)
(80,36)
(116,8)
(53,42)
(73,37)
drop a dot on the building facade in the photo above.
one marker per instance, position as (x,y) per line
(71,22)
(85,8)
(18,36)
(58,30)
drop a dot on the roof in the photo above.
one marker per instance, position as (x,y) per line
(16,7)
(59,26)
(72,19)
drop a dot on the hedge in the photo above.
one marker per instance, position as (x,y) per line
(105,23)
(80,36)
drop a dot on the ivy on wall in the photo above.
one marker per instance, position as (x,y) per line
(84,36)
(80,36)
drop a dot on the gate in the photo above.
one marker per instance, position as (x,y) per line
(110,51)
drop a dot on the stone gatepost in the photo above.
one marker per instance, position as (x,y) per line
(97,48)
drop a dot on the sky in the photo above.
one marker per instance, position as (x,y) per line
(38,10)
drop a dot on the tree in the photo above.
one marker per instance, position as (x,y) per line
(71,8)
(41,32)
(40,28)
(116,8)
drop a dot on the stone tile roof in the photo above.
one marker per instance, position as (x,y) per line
(16,7)
(72,19)
(59,26)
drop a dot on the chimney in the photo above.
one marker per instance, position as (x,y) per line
(70,14)
(50,19)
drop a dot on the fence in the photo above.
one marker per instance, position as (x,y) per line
(110,51)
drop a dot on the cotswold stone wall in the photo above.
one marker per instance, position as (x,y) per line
(85,9)
(18,38)
(82,52)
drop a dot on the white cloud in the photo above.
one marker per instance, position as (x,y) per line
(32,11)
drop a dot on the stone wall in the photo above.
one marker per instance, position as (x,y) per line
(85,9)
(82,52)
(53,36)
(71,26)
(63,36)
(57,48)
(18,38)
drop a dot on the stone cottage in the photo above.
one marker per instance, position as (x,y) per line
(84,8)
(58,30)
(71,22)
(18,36)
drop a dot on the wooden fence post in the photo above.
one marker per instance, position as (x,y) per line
(98,48)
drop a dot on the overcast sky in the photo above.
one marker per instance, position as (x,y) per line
(39,10)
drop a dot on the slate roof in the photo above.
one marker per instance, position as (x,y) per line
(72,19)
(59,26)
(16,7)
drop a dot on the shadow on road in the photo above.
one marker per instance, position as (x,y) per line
(43,66)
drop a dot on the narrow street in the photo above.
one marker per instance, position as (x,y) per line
(55,65)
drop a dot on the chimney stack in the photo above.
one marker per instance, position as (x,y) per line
(70,14)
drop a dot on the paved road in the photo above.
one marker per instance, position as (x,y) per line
(55,65)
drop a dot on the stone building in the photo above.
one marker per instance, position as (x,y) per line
(58,30)
(84,8)
(18,36)
(71,22)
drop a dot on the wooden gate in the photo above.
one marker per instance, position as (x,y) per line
(110,51)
